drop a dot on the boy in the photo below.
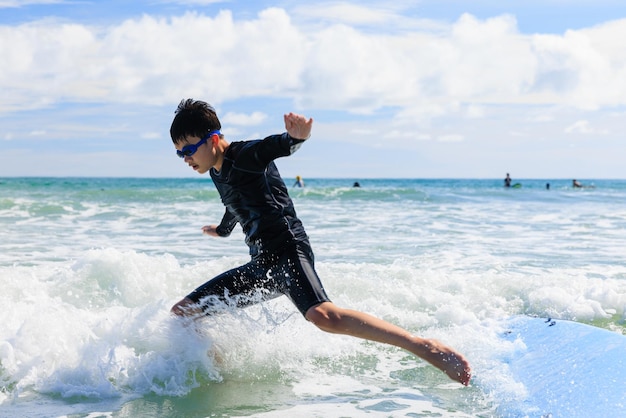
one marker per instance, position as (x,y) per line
(256,197)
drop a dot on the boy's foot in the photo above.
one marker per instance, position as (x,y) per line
(446,359)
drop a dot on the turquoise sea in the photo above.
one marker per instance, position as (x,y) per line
(89,268)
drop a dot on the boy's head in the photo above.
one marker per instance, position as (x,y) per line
(194,118)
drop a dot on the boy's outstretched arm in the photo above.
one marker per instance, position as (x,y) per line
(298,126)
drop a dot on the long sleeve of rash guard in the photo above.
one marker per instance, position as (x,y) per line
(227,224)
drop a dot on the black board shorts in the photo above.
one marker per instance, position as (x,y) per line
(290,272)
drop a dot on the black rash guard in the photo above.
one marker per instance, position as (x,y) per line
(282,259)
(256,196)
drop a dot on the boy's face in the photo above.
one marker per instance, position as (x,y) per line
(204,156)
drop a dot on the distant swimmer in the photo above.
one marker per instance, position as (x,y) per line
(578,185)
(507,183)
(299,182)
(356,184)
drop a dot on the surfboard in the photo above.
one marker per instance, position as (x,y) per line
(568,369)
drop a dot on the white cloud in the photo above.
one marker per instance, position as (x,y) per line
(475,112)
(23,3)
(585,68)
(149,60)
(585,128)
(157,60)
(241,119)
(349,13)
(373,16)
(451,138)
(152,135)
(410,83)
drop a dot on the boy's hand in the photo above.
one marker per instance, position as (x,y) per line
(298,126)
(210,230)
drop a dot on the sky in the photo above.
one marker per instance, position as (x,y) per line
(402,89)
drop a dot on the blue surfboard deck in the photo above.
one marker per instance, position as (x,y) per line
(568,369)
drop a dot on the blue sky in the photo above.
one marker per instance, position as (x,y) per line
(422,89)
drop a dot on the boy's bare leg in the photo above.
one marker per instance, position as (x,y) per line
(329,317)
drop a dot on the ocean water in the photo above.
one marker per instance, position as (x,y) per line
(90,267)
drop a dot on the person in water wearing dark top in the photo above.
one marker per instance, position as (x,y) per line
(507,180)
(282,261)
(299,182)
(578,185)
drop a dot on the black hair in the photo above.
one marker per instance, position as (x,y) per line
(193,118)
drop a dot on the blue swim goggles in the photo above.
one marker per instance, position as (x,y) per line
(189,150)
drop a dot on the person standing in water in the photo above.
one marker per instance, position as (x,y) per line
(282,261)
(299,182)
(507,180)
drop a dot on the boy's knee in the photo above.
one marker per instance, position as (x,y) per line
(323,316)
(314,315)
